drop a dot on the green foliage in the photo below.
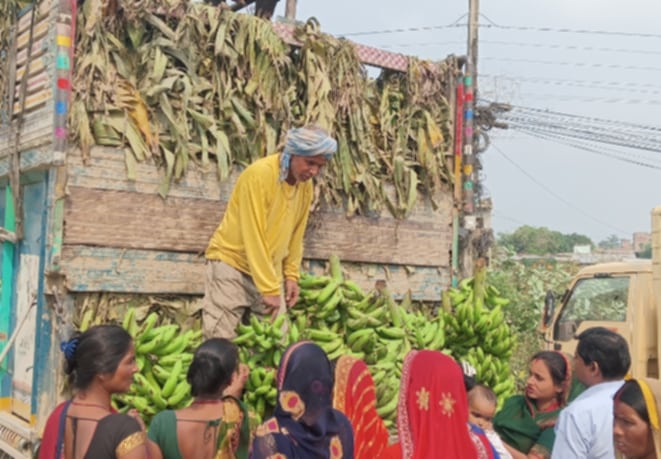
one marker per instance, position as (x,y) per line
(541,241)
(525,284)
(646,252)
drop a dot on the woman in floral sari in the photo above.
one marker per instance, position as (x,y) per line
(432,415)
(305,425)
(354,394)
(526,422)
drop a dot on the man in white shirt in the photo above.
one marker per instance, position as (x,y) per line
(585,428)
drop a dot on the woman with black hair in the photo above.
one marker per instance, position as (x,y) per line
(526,422)
(99,363)
(636,433)
(215,425)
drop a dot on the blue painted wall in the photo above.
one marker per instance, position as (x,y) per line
(35,209)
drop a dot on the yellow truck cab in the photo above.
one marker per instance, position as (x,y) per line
(622,296)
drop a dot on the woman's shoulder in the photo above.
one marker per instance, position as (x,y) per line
(233,410)
(514,400)
(341,417)
(164,415)
(120,421)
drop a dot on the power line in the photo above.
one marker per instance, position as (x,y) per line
(526,45)
(493,25)
(555,195)
(592,149)
(505,217)
(573,117)
(591,99)
(623,138)
(592,84)
(575,64)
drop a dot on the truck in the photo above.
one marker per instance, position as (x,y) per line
(90,223)
(621,296)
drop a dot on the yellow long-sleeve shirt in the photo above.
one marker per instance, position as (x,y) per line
(261,233)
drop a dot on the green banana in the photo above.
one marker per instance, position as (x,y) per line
(173,378)
(179,394)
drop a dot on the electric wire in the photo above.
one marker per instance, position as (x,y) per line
(494,25)
(555,195)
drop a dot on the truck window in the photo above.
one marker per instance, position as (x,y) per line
(595,299)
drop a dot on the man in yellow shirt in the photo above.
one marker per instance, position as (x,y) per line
(258,245)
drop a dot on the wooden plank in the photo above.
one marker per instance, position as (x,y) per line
(31,160)
(37,131)
(109,218)
(90,269)
(106,169)
(120,219)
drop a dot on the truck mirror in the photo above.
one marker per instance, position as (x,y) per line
(549,308)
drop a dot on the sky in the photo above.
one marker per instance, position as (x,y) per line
(609,71)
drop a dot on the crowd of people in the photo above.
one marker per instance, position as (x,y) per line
(571,409)
(327,410)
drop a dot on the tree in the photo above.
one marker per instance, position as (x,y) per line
(646,251)
(611,242)
(541,241)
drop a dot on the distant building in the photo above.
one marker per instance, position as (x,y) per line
(641,240)
(584,249)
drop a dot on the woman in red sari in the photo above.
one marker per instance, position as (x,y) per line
(432,416)
(354,394)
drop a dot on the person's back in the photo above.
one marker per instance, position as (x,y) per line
(99,363)
(213,425)
(585,428)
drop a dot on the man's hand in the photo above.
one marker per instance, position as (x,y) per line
(272,304)
(291,292)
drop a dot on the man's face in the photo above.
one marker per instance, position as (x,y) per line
(583,371)
(303,168)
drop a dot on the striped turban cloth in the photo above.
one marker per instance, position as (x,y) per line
(306,141)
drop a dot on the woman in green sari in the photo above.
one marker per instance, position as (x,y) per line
(216,424)
(526,422)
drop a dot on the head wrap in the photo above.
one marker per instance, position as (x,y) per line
(651,390)
(306,141)
(432,412)
(354,394)
(304,425)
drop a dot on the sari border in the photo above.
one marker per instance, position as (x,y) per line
(403,424)
(130,443)
(342,370)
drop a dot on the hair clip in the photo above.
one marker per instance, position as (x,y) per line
(69,348)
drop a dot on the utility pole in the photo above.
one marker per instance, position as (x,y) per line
(470,84)
(290,9)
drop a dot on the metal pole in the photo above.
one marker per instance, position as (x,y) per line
(470,92)
(290,9)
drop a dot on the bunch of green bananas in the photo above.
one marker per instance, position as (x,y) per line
(261,343)
(163,354)
(477,332)
(342,319)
